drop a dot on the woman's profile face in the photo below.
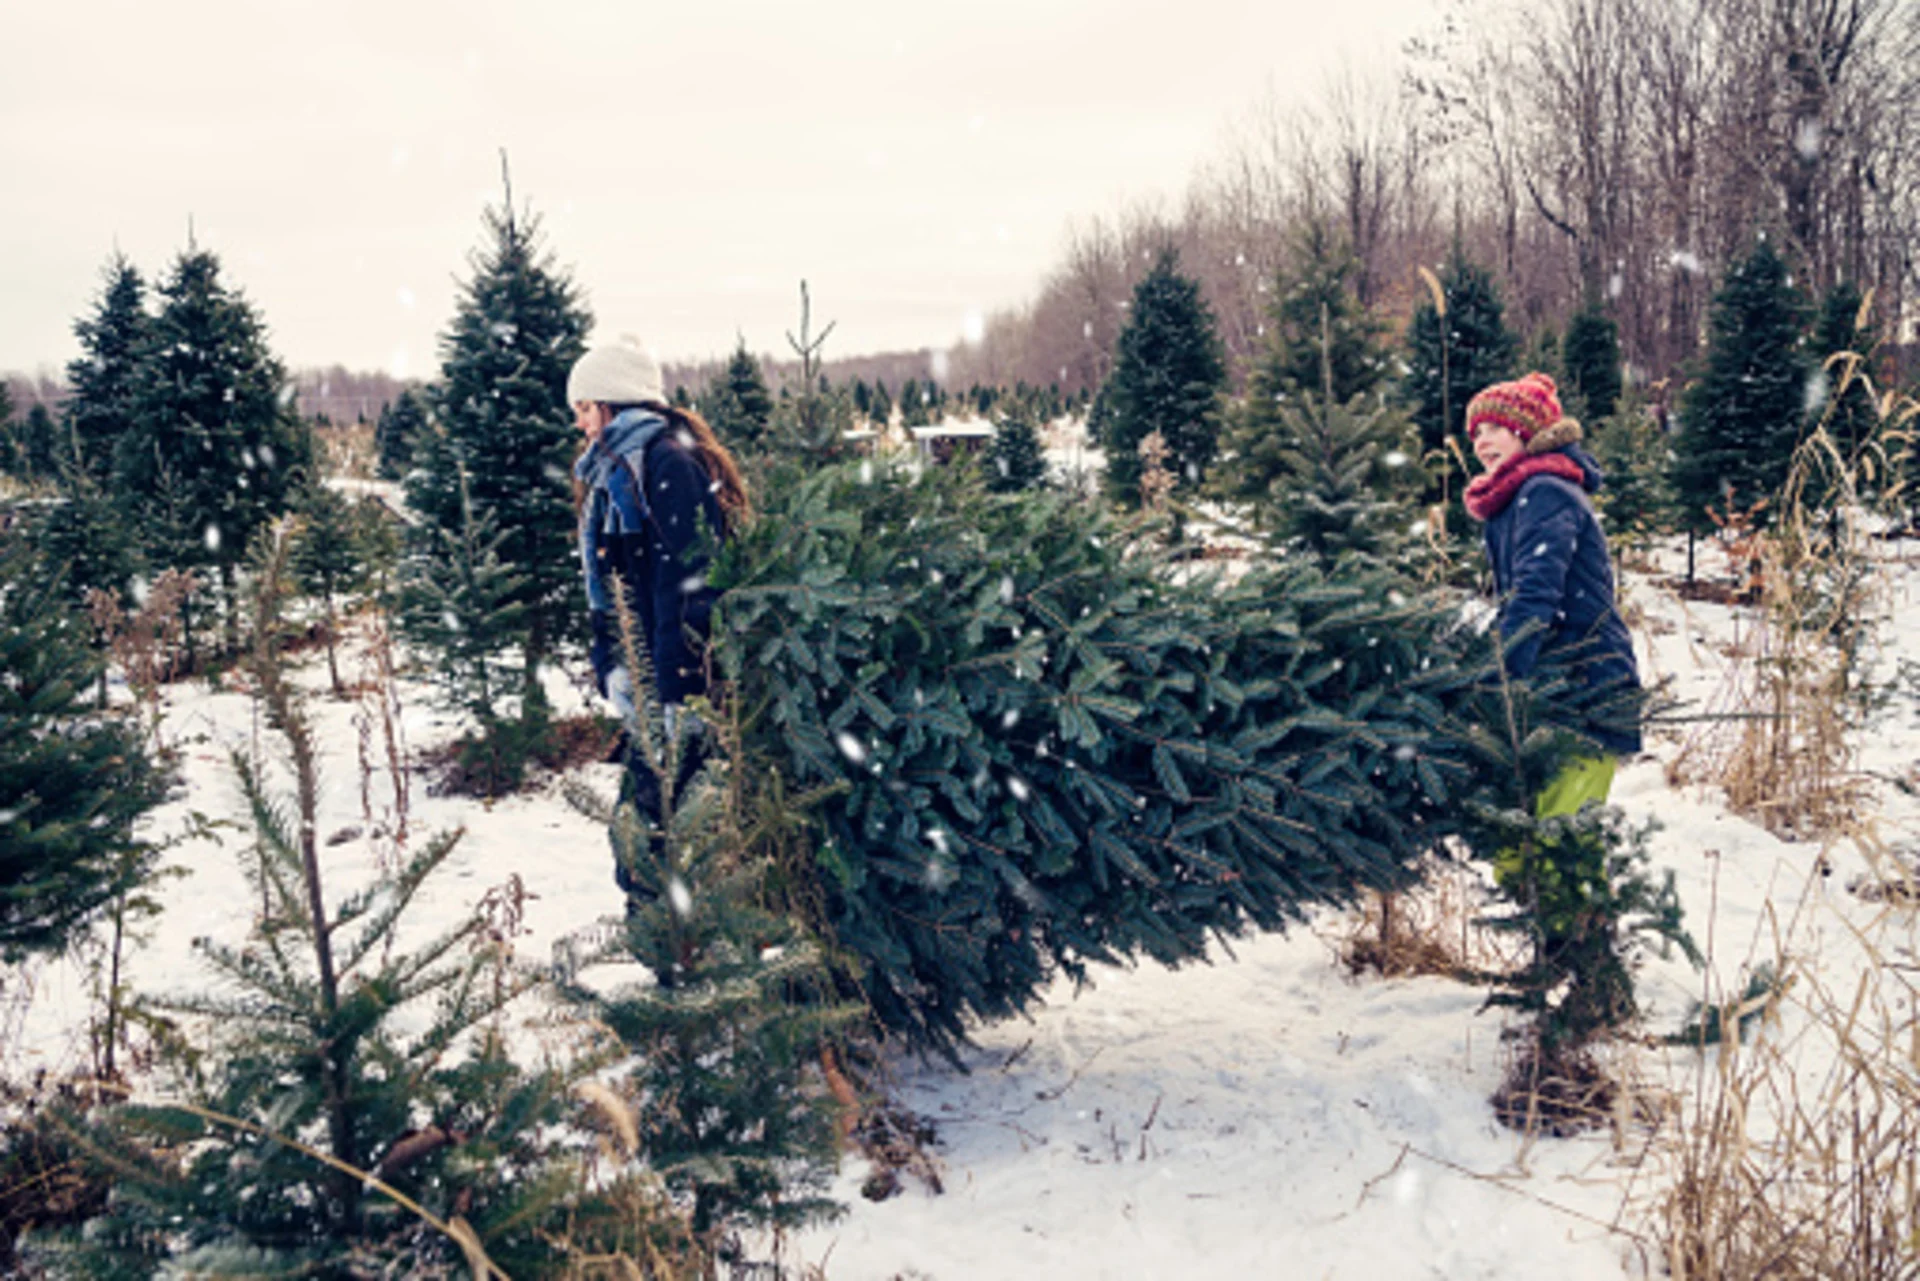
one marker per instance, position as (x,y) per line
(591,417)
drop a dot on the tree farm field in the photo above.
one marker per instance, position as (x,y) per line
(1268,1111)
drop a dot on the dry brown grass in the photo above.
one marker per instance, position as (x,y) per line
(1799,1155)
(1432,928)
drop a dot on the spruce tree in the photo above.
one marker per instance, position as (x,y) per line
(1448,362)
(1015,460)
(501,402)
(344,1073)
(1741,421)
(1316,321)
(1591,354)
(74,781)
(1340,476)
(401,423)
(737,404)
(1846,410)
(880,409)
(811,427)
(328,560)
(1634,452)
(88,541)
(40,444)
(740,1003)
(1039,743)
(916,404)
(461,603)
(215,449)
(1168,374)
(104,381)
(1320,342)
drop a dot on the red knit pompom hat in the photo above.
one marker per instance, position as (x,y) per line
(1526,407)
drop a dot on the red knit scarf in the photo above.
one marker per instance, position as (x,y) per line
(1489,493)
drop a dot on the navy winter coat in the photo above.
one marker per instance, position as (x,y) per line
(1550,565)
(647,500)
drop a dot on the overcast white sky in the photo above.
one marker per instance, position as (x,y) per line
(692,161)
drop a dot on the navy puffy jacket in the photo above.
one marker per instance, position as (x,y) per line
(1550,565)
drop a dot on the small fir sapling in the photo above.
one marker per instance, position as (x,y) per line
(329,560)
(810,427)
(355,1093)
(1015,461)
(460,602)
(1579,888)
(740,1003)
(1333,477)
(75,779)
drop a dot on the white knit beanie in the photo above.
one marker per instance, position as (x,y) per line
(621,373)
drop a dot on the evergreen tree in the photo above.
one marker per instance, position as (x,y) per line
(401,422)
(40,444)
(916,404)
(1592,359)
(329,1038)
(881,407)
(1636,456)
(737,404)
(88,541)
(104,381)
(1167,377)
(1740,422)
(1015,460)
(1340,476)
(215,449)
(328,560)
(1847,411)
(501,402)
(1316,321)
(461,602)
(74,782)
(811,427)
(9,441)
(1448,362)
(1040,743)
(740,1002)
(1321,343)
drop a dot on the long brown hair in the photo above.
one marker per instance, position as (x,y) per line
(736,505)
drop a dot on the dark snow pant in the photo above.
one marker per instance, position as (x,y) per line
(640,785)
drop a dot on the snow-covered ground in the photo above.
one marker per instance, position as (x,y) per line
(1263,1115)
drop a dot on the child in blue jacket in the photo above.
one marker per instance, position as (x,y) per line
(1550,563)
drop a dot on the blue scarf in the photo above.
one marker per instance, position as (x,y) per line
(624,440)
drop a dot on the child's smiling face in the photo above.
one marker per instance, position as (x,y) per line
(1493,445)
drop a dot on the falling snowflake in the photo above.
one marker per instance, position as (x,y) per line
(1814,396)
(680,897)
(850,747)
(212,538)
